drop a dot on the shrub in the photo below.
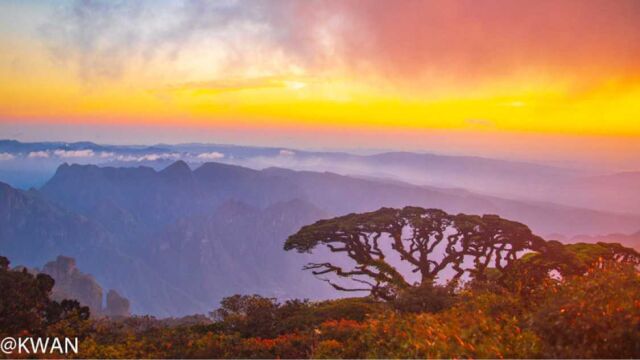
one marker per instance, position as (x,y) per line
(425,298)
(595,316)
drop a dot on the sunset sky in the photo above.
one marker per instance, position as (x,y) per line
(524,79)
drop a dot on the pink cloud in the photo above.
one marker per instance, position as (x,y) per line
(406,39)
(469,38)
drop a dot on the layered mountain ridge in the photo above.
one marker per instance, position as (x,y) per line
(611,188)
(174,241)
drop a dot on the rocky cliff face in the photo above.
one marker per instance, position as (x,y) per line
(71,283)
(33,230)
(117,306)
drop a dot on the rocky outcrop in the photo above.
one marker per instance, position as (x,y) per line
(117,306)
(71,283)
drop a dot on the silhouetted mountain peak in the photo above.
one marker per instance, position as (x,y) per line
(5,186)
(62,168)
(11,197)
(177,170)
(94,172)
(65,170)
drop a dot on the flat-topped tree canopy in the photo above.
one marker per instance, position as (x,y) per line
(576,259)
(429,240)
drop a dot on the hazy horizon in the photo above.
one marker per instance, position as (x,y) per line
(553,82)
(565,151)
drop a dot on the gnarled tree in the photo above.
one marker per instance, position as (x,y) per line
(429,240)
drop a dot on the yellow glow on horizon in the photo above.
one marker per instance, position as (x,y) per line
(41,89)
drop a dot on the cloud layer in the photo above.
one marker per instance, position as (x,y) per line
(473,38)
(462,39)
(337,73)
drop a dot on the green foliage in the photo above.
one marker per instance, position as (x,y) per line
(249,315)
(452,333)
(576,259)
(590,308)
(424,298)
(314,314)
(594,316)
(257,316)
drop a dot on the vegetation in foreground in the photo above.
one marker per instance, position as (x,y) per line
(557,301)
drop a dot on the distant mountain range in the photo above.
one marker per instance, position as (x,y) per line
(33,231)
(174,241)
(25,165)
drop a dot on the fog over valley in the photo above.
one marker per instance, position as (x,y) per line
(173,228)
